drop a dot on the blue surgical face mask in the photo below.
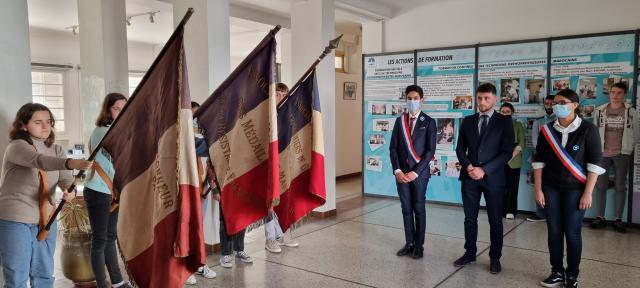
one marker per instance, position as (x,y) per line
(413,106)
(562,111)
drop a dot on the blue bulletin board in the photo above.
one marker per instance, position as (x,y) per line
(524,72)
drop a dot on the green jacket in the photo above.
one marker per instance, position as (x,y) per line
(518,130)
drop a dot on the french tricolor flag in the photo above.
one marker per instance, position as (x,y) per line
(239,125)
(301,147)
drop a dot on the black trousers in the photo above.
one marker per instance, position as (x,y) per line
(412,200)
(103,237)
(511,193)
(471,192)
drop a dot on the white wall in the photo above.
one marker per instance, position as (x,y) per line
(349,112)
(463,22)
(58,47)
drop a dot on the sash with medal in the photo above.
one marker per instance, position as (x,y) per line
(562,154)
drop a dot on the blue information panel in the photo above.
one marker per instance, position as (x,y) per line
(385,79)
(447,77)
(519,72)
(590,66)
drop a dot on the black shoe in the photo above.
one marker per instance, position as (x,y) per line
(572,282)
(554,280)
(535,218)
(406,250)
(619,226)
(417,253)
(598,223)
(464,260)
(495,267)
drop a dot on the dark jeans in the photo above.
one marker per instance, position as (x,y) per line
(511,195)
(103,237)
(230,242)
(414,215)
(471,192)
(564,221)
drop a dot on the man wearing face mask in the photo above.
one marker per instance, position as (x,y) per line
(485,144)
(535,131)
(413,144)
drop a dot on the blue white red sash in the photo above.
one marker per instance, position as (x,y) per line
(406,133)
(562,154)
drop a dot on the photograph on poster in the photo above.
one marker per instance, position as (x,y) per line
(586,111)
(382,125)
(397,109)
(446,131)
(401,94)
(452,167)
(607,83)
(510,90)
(434,166)
(378,109)
(534,92)
(374,163)
(376,139)
(587,87)
(463,102)
(560,84)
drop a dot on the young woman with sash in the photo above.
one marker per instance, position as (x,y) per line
(101,199)
(566,166)
(32,168)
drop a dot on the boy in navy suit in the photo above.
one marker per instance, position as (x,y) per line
(485,143)
(413,143)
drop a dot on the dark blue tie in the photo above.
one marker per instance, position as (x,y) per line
(483,123)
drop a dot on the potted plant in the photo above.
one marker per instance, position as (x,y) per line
(76,243)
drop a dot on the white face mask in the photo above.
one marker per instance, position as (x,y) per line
(413,106)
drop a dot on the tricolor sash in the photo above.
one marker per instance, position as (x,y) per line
(562,154)
(406,133)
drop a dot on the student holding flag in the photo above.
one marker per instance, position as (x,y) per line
(566,167)
(99,194)
(413,144)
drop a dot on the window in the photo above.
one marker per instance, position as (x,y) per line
(339,61)
(47,88)
(134,81)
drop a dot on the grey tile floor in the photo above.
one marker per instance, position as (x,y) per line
(357,248)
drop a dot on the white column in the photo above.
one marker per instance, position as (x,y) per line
(15,57)
(312,27)
(373,37)
(208,57)
(103,55)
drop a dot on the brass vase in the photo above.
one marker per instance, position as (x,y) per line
(76,258)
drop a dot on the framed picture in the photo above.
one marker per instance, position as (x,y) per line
(349,92)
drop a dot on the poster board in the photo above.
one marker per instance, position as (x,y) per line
(590,65)
(519,73)
(448,79)
(385,77)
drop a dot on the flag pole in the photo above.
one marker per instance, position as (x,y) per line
(44,231)
(333,44)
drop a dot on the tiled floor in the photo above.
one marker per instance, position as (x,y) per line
(357,248)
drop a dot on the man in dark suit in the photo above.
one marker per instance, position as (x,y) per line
(485,143)
(413,143)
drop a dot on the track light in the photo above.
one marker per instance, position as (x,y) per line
(128,21)
(151,15)
(74,29)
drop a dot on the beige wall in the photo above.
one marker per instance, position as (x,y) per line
(349,112)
